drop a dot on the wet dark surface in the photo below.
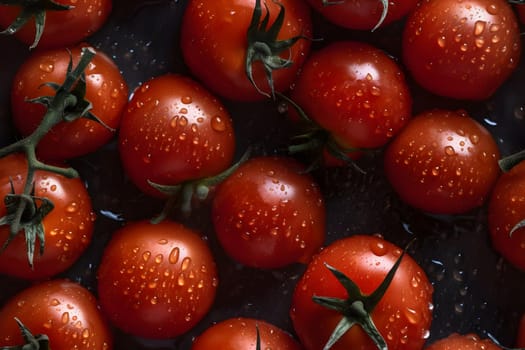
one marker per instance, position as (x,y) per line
(475,290)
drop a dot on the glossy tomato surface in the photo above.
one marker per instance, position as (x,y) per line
(63,310)
(457,341)
(475,289)
(106,90)
(68,228)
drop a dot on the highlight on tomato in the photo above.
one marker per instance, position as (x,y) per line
(244,333)
(443,162)
(269,213)
(57,226)
(174,131)
(105,89)
(461,49)
(506,213)
(56,314)
(457,341)
(246,50)
(362,292)
(156,280)
(355,92)
(53,23)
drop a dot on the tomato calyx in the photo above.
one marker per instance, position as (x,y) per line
(384,3)
(32,9)
(180,196)
(25,211)
(358,307)
(263,45)
(32,342)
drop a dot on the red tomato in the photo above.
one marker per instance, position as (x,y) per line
(106,89)
(356,92)
(462,49)
(520,343)
(214,45)
(156,280)
(64,311)
(68,228)
(463,342)
(269,213)
(241,334)
(521,13)
(172,131)
(402,316)
(62,28)
(362,14)
(443,162)
(506,210)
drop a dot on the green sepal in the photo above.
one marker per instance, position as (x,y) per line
(358,307)
(32,9)
(29,219)
(384,3)
(32,342)
(263,45)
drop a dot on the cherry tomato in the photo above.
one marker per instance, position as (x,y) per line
(214,45)
(462,49)
(68,228)
(64,311)
(463,342)
(172,131)
(520,343)
(362,14)
(506,210)
(62,28)
(402,316)
(241,334)
(355,92)
(443,162)
(156,280)
(106,89)
(269,213)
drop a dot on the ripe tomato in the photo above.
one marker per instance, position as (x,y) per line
(402,316)
(462,49)
(156,280)
(269,213)
(362,14)
(214,45)
(520,343)
(463,342)
(68,228)
(506,210)
(172,131)
(64,311)
(62,28)
(355,92)
(106,89)
(241,334)
(443,162)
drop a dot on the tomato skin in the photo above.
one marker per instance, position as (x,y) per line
(443,162)
(268,214)
(506,209)
(68,227)
(106,89)
(156,280)
(363,14)
(214,45)
(173,130)
(62,28)
(520,343)
(362,99)
(365,260)
(241,334)
(461,49)
(63,310)
(463,342)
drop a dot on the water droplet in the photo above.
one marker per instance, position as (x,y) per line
(441,41)
(449,151)
(174,255)
(186,100)
(65,317)
(218,124)
(479,27)
(72,207)
(47,67)
(378,248)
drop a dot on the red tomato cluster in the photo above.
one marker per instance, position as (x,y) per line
(128,223)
